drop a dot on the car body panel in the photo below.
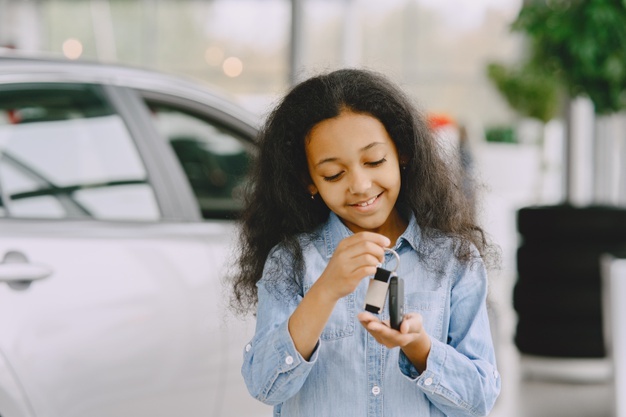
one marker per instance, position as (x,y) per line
(12,397)
(149,297)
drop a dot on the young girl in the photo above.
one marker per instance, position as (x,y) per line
(346,168)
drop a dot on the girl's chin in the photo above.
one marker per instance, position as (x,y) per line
(359,225)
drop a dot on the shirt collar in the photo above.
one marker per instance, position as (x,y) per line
(334,231)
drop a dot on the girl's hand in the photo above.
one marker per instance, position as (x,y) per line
(411,337)
(355,258)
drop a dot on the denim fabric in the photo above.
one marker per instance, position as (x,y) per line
(349,373)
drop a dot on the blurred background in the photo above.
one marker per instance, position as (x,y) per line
(532,93)
(254,49)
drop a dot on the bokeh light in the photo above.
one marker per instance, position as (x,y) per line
(233,67)
(72,48)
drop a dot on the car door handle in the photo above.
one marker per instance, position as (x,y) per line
(18,272)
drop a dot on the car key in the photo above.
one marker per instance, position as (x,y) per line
(396,301)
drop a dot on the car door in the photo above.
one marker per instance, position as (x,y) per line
(110,300)
(213,150)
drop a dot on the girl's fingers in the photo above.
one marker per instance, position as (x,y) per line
(364,271)
(411,323)
(364,237)
(357,257)
(409,329)
(377,238)
(366,317)
(363,248)
(372,323)
(365,259)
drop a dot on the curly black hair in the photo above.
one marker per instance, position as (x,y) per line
(278,206)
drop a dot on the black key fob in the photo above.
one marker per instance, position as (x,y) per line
(396,301)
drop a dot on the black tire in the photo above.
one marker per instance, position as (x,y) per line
(558,292)
(577,302)
(565,222)
(565,262)
(560,338)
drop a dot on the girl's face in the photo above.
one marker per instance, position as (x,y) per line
(355,169)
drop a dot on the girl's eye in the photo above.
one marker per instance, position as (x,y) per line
(333,177)
(376,163)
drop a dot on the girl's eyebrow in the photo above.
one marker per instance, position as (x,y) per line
(371,145)
(363,149)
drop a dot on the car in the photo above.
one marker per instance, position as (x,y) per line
(119,191)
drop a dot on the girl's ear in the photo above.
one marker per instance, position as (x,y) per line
(312,189)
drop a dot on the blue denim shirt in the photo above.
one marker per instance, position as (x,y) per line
(349,374)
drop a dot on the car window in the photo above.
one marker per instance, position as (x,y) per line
(214,158)
(65,153)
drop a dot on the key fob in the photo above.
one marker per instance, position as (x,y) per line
(396,302)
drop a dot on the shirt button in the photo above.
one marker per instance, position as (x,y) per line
(289,360)
(428,381)
(495,374)
(376,390)
(248,347)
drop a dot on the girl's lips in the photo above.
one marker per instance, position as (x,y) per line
(366,203)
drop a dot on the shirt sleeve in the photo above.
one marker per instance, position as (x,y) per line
(461,377)
(273,369)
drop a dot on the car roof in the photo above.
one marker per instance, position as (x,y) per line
(16,67)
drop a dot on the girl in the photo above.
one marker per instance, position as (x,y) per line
(346,168)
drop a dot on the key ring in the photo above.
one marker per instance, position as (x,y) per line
(397,259)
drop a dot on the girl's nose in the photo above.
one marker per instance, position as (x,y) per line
(360,182)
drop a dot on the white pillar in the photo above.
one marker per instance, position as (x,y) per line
(609,145)
(296,45)
(613,293)
(581,152)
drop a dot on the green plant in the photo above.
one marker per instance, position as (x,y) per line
(529,89)
(584,43)
(500,134)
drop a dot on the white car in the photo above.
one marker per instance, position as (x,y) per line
(118,187)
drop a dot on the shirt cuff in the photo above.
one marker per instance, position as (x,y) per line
(288,355)
(430,378)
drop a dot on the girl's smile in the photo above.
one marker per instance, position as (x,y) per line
(354,166)
(367,204)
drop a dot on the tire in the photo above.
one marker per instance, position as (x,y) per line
(565,222)
(558,337)
(565,262)
(576,303)
(557,295)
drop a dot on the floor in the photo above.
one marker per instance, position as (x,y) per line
(550,395)
(544,387)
